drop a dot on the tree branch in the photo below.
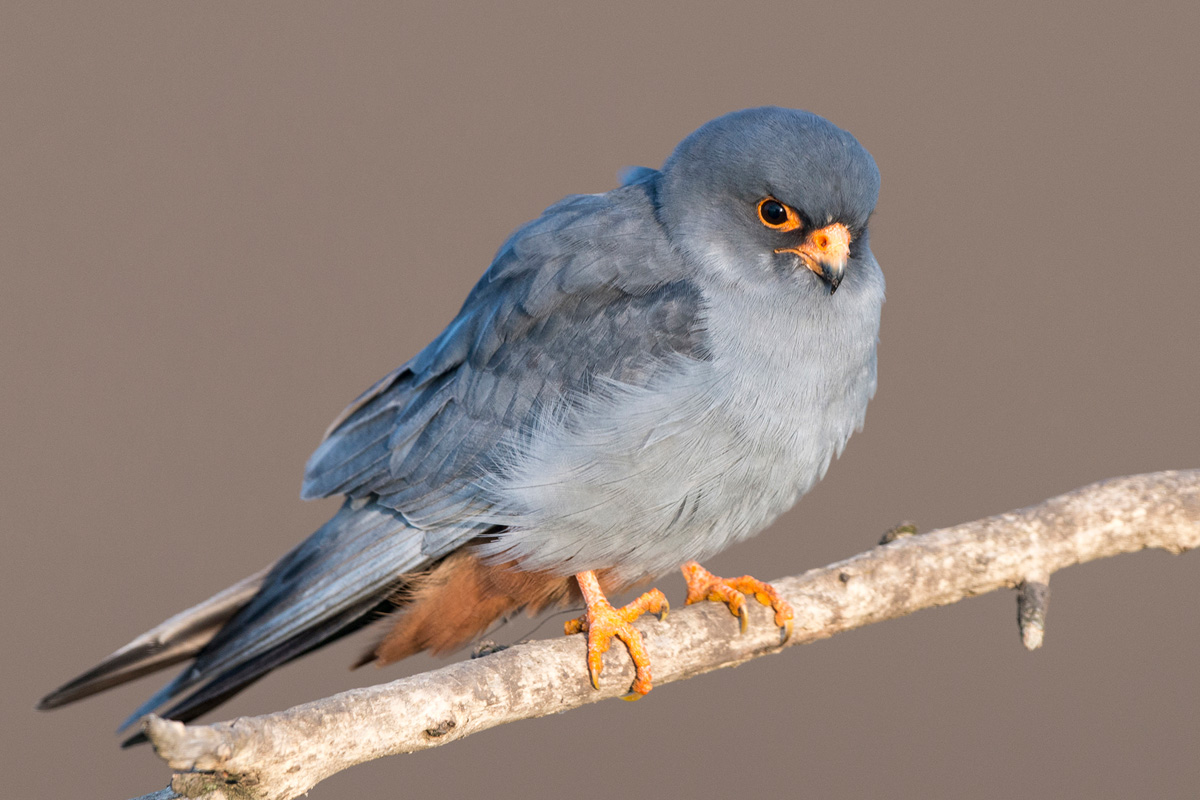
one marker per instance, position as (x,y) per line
(283,755)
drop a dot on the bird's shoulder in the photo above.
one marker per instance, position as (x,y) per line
(611,242)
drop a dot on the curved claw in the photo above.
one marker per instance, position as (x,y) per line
(703,585)
(595,662)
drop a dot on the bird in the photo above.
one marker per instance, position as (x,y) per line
(640,379)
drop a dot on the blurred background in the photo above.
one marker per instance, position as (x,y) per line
(220,223)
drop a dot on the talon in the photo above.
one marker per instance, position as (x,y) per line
(602,623)
(703,585)
(595,667)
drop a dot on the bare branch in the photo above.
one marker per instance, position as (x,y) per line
(283,755)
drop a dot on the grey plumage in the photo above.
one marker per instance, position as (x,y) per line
(638,379)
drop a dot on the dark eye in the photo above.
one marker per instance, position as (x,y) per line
(774,213)
(777,216)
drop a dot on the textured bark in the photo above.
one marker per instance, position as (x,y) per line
(282,755)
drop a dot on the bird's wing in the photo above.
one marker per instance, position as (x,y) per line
(590,291)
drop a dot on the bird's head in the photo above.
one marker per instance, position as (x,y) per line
(771,190)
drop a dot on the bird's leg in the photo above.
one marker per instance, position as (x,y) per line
(602,622)
(703,585)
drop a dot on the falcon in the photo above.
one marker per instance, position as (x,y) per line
(640,379)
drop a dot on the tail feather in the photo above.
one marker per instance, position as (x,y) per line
(178,639)
(233,681)
(352,568)
(353,560)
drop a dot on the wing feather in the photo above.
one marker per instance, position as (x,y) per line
(590,290)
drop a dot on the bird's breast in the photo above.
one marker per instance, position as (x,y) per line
(795,386)
(639,479)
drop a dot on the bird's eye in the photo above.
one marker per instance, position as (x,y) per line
(776,216)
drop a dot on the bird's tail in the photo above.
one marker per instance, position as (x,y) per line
(353,568)
(178,639)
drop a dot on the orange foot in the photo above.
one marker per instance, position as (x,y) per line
(703,585)
(602,622)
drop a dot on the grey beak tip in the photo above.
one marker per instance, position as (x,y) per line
(834,279)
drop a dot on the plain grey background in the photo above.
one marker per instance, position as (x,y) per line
(221,222)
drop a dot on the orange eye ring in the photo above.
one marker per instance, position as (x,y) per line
(777,216)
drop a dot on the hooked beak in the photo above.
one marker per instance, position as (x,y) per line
(825,252)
